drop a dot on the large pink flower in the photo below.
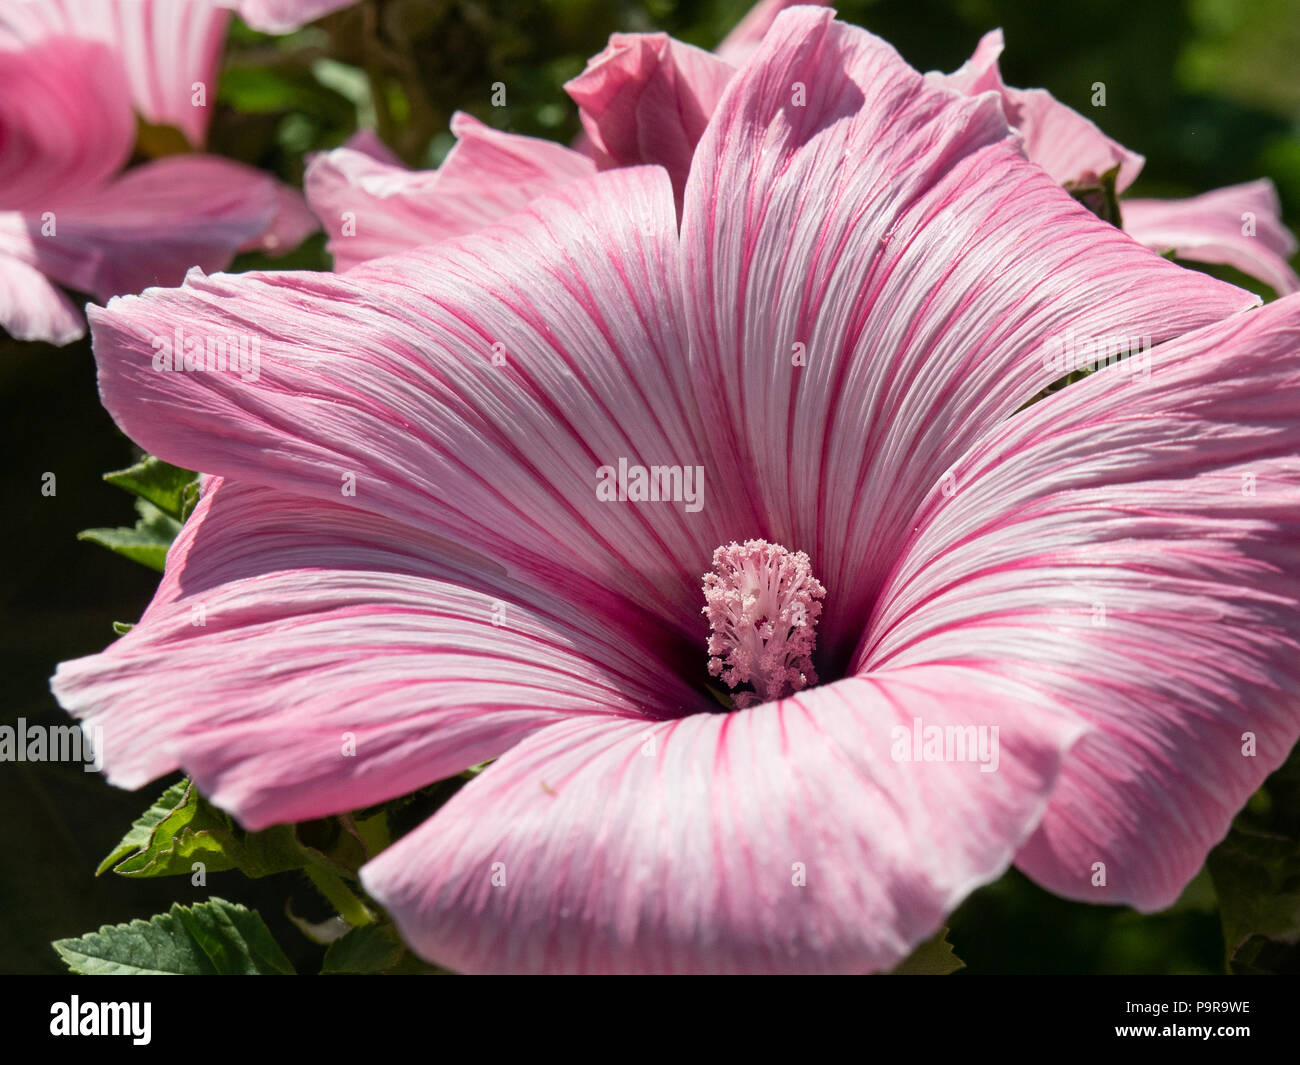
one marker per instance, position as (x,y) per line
(73,74)
(406,547)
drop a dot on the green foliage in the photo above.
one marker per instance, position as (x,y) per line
(212,938)
(934,957)
(1256,872)
(169,488)
(165,496)
(182,828)
(376,948)
(142,831)
(146,542)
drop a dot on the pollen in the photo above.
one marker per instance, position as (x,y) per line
(762,602)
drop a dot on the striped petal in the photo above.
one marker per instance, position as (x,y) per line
(65,121)
(1131,546)
(303,658)
(170,51)
(872,269)
(785,838)
(371,206)
(1060,140)
(1239,226)
(33,309)
(646,99)
(745,36)
(474,388)
(149,226)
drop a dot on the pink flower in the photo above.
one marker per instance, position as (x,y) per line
(73,73)
(411,545)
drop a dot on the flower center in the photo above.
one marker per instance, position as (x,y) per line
(762,602)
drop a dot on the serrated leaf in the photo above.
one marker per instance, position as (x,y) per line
(160,483)
(374,948)
(195,830)
(147,543)
(141,831)
(935,957)
(212,938)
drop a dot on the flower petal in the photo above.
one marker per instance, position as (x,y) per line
(166,49)
(646,99)
(1239,226)
(373,207)
(155,222)
(287,627)
(1130,546)
(1060,140)
(784,838)
(65,121)
(873,268)
(745,36)
(474,388)
(284,16)
(33,309)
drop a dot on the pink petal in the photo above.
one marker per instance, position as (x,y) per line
(165,47)
(601,846)
(65,121)
(1131,546)
(285,624)
(646,99)
(292,222)
(891,229)
(33,309)
(284,16)
(475,387)
(1239,226)
(155,222)
(1060,140)
(745,36)
(368,142)
(372,207)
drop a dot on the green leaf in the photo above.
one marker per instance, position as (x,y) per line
(123,627)
(213,937)
(166,486)
(351,83)
(1256,873)
(142,830)
(1257,877)
(182,828)
(375,948)
(935,957)
(147,543)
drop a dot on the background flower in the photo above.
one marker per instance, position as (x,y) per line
(73,73)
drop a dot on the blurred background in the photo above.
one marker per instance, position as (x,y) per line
(1208,90)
